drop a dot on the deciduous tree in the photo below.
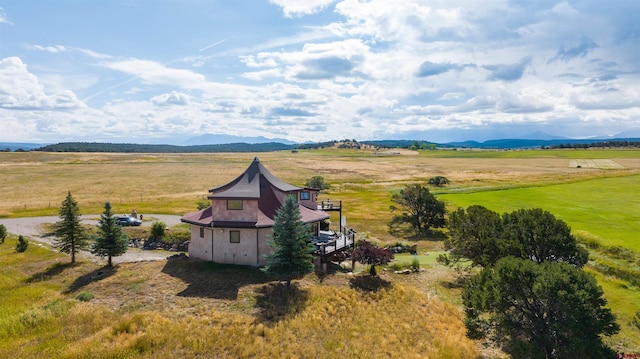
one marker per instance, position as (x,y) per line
(291,255)
(70,235)
(110,241)
(367,253)
(317,182)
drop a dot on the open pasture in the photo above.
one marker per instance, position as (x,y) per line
(597,201)
(605,207)
(35,183)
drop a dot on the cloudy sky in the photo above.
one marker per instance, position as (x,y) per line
(161,71)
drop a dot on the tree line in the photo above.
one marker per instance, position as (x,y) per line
(600,144)
(150,148)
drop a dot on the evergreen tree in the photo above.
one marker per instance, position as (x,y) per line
(111,241)
(70,236)
(539,310)
(484,237)
(291,257)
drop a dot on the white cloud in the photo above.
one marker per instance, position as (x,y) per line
(52,49)
(171,99)
(154,73)
(365,69)
(297,8)
(21,90)
(3,17)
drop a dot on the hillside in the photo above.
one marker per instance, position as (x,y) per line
(185,308)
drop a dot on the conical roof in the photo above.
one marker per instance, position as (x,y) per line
(256,182)
(249,183)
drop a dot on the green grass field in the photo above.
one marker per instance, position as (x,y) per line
(607,207)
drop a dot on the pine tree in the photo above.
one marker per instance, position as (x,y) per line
(70,236)
(111,241)
(291,257)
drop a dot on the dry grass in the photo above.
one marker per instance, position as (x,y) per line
(36,183)
(191,309)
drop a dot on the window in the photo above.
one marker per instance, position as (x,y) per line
(201,232)
(234,204)
(234,236)
(305,195)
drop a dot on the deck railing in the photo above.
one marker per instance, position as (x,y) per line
(329,242)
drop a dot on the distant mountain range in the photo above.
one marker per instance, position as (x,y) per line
(228,143)
(213,139)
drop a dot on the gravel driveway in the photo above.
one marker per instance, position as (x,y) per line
(31,227)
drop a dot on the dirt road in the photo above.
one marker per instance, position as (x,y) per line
(31,227)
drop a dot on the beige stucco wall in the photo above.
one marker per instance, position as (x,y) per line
(249,211)
(250,251)
(200,247)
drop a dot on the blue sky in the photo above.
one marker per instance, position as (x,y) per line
(314,70)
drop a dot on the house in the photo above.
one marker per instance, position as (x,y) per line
(237,225)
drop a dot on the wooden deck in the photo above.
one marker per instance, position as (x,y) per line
(330,205)
(330,242)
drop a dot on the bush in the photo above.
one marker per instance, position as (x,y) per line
(3,233)
(158,230)
(317,182)
(84,296)
(203,204)
(438,181)
(22,244)
(415,263)
(177,236)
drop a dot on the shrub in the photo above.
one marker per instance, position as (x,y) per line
(372,255)
(438,181)
(177,236)
(22,244)
(158,229)
(84,296)
(317,182)
(415,263)
(203,204)
(3,233)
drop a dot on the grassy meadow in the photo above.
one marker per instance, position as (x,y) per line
(159,308)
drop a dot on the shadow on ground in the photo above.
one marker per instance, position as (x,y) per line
(277,301)
(95,275)
(51,271)
(368,283)
(212,280)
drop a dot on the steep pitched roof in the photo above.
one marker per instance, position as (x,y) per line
(255,183)
(248,184)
